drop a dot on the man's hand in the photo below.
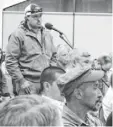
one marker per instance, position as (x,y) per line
(26,87)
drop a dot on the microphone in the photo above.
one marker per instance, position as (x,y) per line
(50,27)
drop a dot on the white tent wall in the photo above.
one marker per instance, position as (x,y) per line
(92,32)
(4,4)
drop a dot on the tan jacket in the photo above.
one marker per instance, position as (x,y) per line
(26,57)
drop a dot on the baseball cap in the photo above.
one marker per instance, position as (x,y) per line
(74,79)
(31,9)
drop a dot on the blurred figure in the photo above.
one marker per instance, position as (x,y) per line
(63,59)
(80,56)
(9,85)
(108,101)
(82,95)
(3,80)
(105,62)
(49,88)
(29,110)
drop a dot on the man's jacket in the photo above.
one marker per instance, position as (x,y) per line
(26,57)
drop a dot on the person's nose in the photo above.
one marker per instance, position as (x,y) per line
(100,95)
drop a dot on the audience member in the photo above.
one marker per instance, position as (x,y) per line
(29,50)
(82,95)
(63,59)
(29,110)
(80,56)
(49,87)
(105,62)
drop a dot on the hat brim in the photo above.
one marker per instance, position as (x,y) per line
(90,76)
(95,75)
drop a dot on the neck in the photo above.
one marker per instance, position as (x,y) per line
(80,110)
(46,94)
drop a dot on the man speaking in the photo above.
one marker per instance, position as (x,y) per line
(29,51)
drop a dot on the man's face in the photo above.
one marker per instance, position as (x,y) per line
(54,90)
(35,20)
(92,96)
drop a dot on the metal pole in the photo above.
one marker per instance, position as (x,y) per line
(73,35)
(2,29)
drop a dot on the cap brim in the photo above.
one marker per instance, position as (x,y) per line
(95,75)
(91,76)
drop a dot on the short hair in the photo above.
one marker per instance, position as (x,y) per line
(29,110)
(49,75)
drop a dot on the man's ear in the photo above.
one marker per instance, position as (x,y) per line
(46,86)
(78,93)
(26,18)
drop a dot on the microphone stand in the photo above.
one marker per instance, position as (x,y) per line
(61,36)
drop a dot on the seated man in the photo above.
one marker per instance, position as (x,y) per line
(29,110)
(82,95)
(49,89)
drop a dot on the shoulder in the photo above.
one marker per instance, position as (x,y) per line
(18,33)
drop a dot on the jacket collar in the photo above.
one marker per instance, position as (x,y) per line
(29,32)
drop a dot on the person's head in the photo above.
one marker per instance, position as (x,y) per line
(80,56)
(29,110)
(106,62)
(48,82)
(33,16)
(63,54)
(84,89)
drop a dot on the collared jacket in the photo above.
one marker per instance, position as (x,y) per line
(70,119)
(26,56)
